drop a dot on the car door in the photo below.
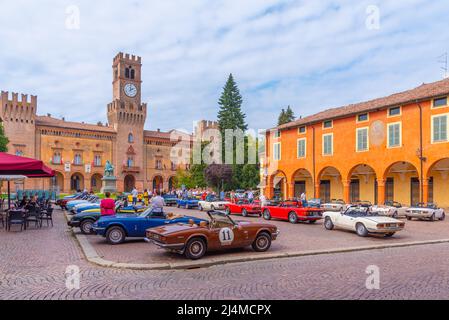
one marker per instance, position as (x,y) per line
(344,220)
(227,237)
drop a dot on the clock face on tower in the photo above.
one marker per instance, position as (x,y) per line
(130,90)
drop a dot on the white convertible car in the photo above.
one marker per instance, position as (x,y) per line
(428,211)
(362,221)
(390,209)
(212,203)
(334,205)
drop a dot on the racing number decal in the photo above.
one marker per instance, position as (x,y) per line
(226,236)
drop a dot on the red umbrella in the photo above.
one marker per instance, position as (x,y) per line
(15,165)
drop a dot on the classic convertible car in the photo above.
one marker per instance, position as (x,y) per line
(390,209)
(219,233)
(119,227)
(292,211)
(243,207)
(428,211)
(89,200)
(212,203)
(85,219)
(334,205)
(187,203)
(170,200)
(363,221)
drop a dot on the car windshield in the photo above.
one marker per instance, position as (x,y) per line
(148,212)
(358,211)
(220,220)
(335,201)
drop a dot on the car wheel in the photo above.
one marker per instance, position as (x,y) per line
(244,213)
(395,215)
(292,217)
(361,230)
(200,207)
(195,248)
(115,235)
(409,218)
(328,224)
(228,211)
(266,214)
(212,208)
(262,242)
(178,205)
(443,216)
(86,226)
(432,218)
(389,235)
(187,207)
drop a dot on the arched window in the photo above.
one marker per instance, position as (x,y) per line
(132,73)
(78,159)
(130,162)
(130,138)
(97,161)
(127,73)
(57,158)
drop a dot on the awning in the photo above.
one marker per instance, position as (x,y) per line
(31,168)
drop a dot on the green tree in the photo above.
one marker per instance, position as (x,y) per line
(3,139)
(230,115)
(286,116)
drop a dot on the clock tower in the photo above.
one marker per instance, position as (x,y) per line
(127,114)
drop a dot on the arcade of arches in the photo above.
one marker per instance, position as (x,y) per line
(398,181)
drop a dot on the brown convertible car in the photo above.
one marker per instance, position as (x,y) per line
(219,233)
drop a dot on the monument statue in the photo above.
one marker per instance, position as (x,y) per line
(108,169)
(109,180)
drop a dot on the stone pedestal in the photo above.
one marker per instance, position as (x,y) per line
(109,185)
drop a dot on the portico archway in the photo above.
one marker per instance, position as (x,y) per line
(130,183)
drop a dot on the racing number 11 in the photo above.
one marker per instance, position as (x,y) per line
(226,235)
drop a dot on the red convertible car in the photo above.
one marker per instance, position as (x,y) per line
(292,211)
(244,208)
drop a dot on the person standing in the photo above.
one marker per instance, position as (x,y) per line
(263,200)
(134,193)
(107,205)
(146,197)
(250,196)
(303,199)
(157,201)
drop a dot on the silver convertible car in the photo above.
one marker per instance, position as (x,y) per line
(425,211)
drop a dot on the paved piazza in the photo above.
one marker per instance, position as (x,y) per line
(33,266)
(293,238)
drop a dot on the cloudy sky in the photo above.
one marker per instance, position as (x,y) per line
(311,55)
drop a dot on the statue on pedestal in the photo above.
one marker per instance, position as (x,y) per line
(109,180)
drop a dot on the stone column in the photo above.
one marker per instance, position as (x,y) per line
(317,190)
(380,191)
(425,190)
(346,191)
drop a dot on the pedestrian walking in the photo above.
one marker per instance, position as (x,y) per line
(134,194)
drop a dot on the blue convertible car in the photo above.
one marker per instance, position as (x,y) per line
(117,228)
(188,203)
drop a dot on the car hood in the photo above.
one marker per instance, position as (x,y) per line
(86,214)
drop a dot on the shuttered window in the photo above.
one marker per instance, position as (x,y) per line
(301,148)
(439,128)
(277,151)
(362,139)
(328,144)
(394,135)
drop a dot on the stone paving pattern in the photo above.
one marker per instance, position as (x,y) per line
(33,265)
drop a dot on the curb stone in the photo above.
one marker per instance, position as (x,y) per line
(92,256)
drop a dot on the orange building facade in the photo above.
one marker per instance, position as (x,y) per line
(391,148)
(78,151)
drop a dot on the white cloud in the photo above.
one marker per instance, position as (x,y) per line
(315,54)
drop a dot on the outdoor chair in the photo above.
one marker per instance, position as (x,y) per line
(47,215)
(16,218)
(34,215)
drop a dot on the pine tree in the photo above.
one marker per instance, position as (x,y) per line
(230,115)
(286,116)
(3,139)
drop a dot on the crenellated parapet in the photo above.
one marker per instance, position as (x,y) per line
(18,110)
(130,58)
